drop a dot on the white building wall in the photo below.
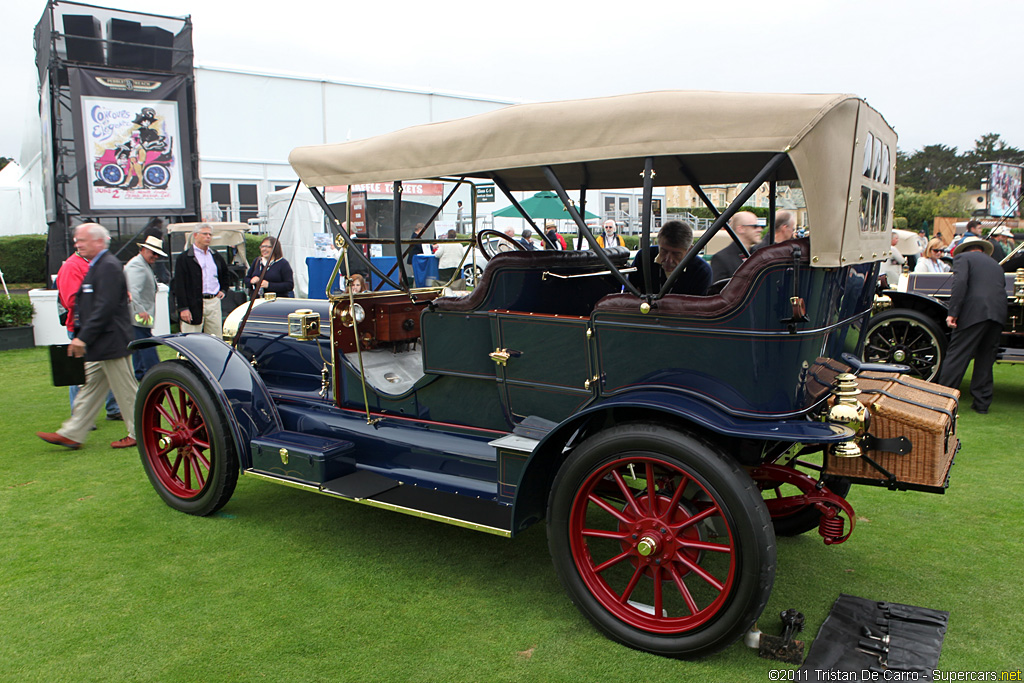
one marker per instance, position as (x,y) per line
(249,122)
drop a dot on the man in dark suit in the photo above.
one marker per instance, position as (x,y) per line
(102,333)
(727,260)
(977,312)
(200,281)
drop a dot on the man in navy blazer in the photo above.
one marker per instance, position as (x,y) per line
(102,332)
(977,313)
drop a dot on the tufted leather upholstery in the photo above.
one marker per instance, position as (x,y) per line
(732,294)
(535,260)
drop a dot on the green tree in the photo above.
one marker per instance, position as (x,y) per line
(953,202)
(919,208)
(935,167)
(4,161)
(990,147)
(932,168)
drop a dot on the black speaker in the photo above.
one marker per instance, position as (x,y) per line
(88,48)
(160,42)
(127,56)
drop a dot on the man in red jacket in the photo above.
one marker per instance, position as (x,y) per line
(102,332)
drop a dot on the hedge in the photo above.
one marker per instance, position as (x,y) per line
(705,212)
(15,311)
(23,258)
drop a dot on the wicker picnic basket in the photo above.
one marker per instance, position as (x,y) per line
(923,412)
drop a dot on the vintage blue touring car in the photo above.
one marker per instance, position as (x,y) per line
(665,439)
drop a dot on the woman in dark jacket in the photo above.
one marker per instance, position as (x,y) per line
(278,278)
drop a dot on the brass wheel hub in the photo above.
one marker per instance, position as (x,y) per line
(647,545)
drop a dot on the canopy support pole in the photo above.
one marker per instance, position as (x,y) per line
(356,251)
(704,198)
(583,203)
(582,226)
(645,223)
(397,215)
(508,194)
(746,193)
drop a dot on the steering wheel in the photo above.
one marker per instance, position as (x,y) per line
(491,243)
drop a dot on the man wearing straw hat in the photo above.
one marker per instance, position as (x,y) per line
(977,312)
(1000,238)
(142,288)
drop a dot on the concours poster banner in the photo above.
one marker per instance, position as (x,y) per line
(131,142)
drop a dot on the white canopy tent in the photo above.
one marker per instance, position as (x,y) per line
(21,201)
(305,219)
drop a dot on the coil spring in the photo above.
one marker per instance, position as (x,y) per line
(831,529)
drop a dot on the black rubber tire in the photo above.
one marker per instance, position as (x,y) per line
(719,484)
(162,390)
(471,274)
(908,337)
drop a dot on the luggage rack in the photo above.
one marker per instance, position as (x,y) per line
(890,481)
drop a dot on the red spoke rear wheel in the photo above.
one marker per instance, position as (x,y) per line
(186,448)
(663,542)
(654,548)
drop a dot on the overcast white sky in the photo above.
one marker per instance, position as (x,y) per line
(935,69)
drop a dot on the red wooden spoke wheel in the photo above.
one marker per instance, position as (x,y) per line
(662,541)
(185,444)
(176,440)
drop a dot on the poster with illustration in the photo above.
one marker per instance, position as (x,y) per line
(132,147)
(133,153)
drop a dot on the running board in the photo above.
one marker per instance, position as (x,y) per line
(375,490)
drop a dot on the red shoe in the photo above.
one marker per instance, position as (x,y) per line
(126,442)
(58,440)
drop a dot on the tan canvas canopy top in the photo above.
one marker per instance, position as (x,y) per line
(840,149)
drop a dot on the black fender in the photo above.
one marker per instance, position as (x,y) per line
(657,406)
(933,308)
(239,390)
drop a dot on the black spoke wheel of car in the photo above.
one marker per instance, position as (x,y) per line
(906,337)
(491,243)
(184,440)
(661,541)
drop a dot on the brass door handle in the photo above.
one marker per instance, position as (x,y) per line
(501,356)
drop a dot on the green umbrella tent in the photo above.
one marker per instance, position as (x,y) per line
(543,205)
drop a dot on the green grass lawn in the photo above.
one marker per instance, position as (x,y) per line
(100,581)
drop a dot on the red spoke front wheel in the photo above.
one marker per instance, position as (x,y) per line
(186,448)
(175,441)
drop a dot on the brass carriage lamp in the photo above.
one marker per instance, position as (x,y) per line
(849,412)
(304,324)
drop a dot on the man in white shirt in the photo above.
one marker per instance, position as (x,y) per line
(200,280)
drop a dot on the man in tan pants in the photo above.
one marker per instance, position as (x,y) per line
(102,332)
(200,280)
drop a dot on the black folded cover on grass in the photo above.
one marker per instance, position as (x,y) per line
(915,636)
(66,370)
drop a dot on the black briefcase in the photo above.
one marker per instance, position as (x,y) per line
(66,370)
